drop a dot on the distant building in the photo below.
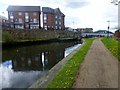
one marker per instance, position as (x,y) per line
(24,17)
(85,30)
(68,29)
(99,33)
(3,22)
(103,31)
(53,19)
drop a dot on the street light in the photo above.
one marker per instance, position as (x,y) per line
(115,2)
(108,27)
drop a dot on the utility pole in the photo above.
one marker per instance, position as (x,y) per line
(108,27)
(73,24)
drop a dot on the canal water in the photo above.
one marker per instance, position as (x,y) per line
(22,66)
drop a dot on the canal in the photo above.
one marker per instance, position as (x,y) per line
(22,66)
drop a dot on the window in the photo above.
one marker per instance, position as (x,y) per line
(20,20)
(20,13)
(12,26)
(59,17)
(45,16)
(45,27)
(11,20)
(56,27)
(34,13)
(16,26)
(56,22)
(59,22)
(34,20)
(11,13)
(59,27)
(27,25)
(26,20)
(31,27)
(56,16)
(20,27)
(45,21)
(16,20)
(26,17)
(26,14)
(31,20)
(11,17)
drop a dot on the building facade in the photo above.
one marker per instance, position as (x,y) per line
(29,17)
(53,19)
(24,17)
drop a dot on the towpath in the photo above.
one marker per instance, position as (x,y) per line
(99,69)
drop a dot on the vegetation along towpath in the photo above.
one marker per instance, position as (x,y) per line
(99,69)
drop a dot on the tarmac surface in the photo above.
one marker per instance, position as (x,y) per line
(99,69)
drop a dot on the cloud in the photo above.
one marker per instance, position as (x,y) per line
(84,13)
(77,4)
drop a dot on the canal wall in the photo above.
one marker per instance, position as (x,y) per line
(42,34)
(43,82)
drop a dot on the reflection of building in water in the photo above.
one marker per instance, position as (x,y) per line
(41,61)
(27,63)
(37,57)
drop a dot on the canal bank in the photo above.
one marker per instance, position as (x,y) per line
(38,41)
(63,74)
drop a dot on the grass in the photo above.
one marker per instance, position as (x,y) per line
(113,46)
(65,78)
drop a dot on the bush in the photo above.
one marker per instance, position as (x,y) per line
(7,37)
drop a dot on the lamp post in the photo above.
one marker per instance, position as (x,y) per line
(115,2)
(108,27)
(73,25)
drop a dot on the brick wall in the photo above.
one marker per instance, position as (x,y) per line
(42,34)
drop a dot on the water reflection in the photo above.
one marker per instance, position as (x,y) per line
(24,65)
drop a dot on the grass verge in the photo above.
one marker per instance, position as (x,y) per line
(65,78)
(113,46)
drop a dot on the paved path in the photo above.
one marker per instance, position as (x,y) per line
(99,69)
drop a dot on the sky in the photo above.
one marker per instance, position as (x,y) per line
(78,13)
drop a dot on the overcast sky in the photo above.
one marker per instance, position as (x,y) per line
(78,13)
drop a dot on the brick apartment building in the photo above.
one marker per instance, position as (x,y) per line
(24,17)
(117,34)
(29,17)
(53,18)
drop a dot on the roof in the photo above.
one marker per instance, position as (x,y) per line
(50,10)
(103,31)
(23,8)
(47,10)
(57,11)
